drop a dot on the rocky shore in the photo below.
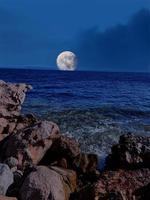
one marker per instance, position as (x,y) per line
(38,162)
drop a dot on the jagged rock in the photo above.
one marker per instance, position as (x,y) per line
(86,167)
(7,126)
(6,178)
(69,179)
(131,152)
(67,146)
(25,142)
(11,98)
(118,185)
(64,148)
(45,183)
(25,121)
(30,144)
(86,162)
(65,152)
(121,184)
(13,125)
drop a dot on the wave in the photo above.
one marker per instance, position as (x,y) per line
(97,129)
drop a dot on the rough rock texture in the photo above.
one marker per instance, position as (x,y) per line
(86,163)
(131,152)
(30,144)
(48,184)
(67,147)
(64,172)
(118,185)
(65,152)
(62,148)
(6,178)
(25,121)
(11,98)
(122,184)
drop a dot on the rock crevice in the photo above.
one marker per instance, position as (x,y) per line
(37,162)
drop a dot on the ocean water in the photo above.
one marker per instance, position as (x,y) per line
(94,107)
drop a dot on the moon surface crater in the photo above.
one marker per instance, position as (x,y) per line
(67,61)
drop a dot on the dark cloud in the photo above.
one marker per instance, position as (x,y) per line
(120,48)
(34,33)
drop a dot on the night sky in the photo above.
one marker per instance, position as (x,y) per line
(106,35)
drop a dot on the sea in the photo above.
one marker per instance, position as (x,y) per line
(95,108)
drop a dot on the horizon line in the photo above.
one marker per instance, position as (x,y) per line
(77,70)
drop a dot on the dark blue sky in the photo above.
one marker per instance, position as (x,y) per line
(105,35)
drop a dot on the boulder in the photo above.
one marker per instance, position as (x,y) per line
(6,178)
(45,183)
(64,149)
(13,125)
(30,144)
(121,184)
(13,190)
(86,163)
(65,153)
(25,121)
(11,98)
(118,185)
(67,147)
(7,126)
(86,167)
(131,152)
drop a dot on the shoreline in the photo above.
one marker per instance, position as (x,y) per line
(36,156)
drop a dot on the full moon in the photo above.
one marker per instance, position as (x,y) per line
(67,61)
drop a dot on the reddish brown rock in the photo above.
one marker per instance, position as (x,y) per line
(69,179)
(86,167)
(45,183)
(30,144)
(64,149)
(118,185)
(131,152)
(67,147)
(121,185)
(25,121)
(13,125)
(11,98)
(86,163)
(65,152)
